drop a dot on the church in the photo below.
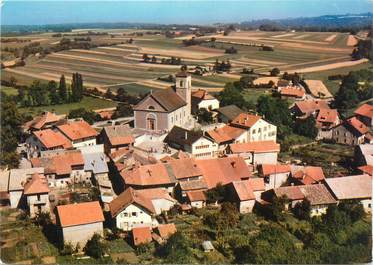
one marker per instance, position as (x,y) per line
(163,109)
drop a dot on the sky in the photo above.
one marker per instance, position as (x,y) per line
(27,12)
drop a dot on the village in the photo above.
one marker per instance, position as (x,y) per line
(132,176)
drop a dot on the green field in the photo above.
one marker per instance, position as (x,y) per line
(89,103)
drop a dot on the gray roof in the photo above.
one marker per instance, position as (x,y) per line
(230,111)
(18,177)
(367,151)
(95,162)
(351,187)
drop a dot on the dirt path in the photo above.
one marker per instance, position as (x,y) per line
(328,66)
(331,38)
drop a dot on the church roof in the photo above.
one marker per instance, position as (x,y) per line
(168,99)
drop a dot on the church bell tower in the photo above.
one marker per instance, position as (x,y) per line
(184,87)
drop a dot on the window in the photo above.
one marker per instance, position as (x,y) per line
(151,107)
(134,214)
(38,195)
(254,131)
(181,83)
(125,214)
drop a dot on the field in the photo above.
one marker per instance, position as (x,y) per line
(120,64)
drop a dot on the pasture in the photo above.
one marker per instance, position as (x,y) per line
(121,65)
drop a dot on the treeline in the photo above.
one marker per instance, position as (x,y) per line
(51,93)
(364,49)
(223,66)
(172,61)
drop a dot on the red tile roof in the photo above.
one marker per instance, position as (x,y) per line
(197,195)
(365,110)
(268,169)
(291,192)
(292,92)
(147,175)
(119,135)
(243,190)
(185,168)
(51,139)
(223,170)
(309,106)
(357,125)
(327,115)
(245,120)
(317,194)
(225,134)
(256,147)
(142,198)
(39,121)
(368,169)
(141,235)
(76,130)
(166,230)
(202,95)
(37,184)
(60,164)
(80,213)
(308,175)
(257,184)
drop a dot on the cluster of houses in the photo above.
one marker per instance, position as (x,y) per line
(163,162)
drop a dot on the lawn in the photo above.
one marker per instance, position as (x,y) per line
(9,91)
(89,103)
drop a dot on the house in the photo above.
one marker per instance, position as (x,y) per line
(196,199)
(36,191)
(134,208)
(256,127)
(255,153)
(201,99)
(306,108)
(44,121)
(292,92)
(166,230)
(258,187)
(223,170)
(357,187)
(275,175)
(17,179)
(141,235)
(116,137)
(195,143)
(78,222)
(63,168)
(363,155)
(207,246)
(350,132)
(326,120)
(149,176)
(95,162)
(306,175)
(163,109)
(317,194)
(242,194)
(364,113)
(225,135)
(79,133)
(226,114)
(317,89)
(45,140)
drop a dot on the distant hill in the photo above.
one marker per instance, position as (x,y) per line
(346,22)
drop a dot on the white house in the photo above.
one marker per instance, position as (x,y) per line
(36,191)
(275,175)
(195,143)
(196,199)
(136,208)
(79,132)
(242,194)
(201,99)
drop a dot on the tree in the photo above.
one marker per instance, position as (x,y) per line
(306,127)
(123,110)
(302,210)
(353,208)
(231,96)
(95,247)
(76,88)
(145,58)
(347,96)
(275,71)
(62,90)
(177,250)
(204,116)
(88,116)
(54,97)
(216,194)
(12,81)
(154,59)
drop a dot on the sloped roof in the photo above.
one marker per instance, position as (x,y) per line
(230,111)
(182,74)
(18,177)
(168,99)
(256,147)
(182,136)
(225,134)
(317,194)
(257,184)
(39,121)
(202,94)
(367,169)
(351,187)
(37,184)
(166,230)
(355,126)
(95,162)
(310,106)
(245,120)
(197,195)
(365,110)
(76,130)
(316,87)
(307,175)
(243,190)
(119,134)
(291,192)
(51,139)
(141,235)
(184,168)
(148,175)
(80,213)
(327,115)
(292,92)
(269,169)
(223,170)
(197,184)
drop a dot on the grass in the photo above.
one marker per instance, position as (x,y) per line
(9,91)
(252,94)
(89,103)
